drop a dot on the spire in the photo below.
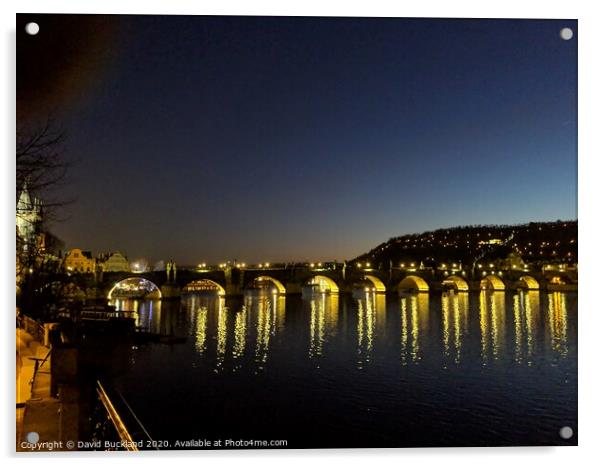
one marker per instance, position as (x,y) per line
(24,204)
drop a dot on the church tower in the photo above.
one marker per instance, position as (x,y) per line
(29,216)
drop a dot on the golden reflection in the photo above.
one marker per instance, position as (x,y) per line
(455,323)
(201,310)
(557,322)
(264,329)
(240,333)
(270,319)
(323,321)
(222,334)
(371,321)
(526,317)
(414,324)
(492,317)
(200,340)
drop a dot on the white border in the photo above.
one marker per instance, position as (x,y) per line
(590,260)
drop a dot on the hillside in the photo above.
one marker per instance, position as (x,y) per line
(535,242)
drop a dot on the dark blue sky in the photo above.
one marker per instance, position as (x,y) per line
(207,138)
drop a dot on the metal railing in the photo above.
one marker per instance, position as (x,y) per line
(31,326)
(127,439)
(38,363)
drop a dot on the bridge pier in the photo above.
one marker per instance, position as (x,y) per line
(170,291)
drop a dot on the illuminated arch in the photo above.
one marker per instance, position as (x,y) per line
(378,284)
(136,287)
(204,285)
(493,282)
(457,283)
(277,283)
(325,284)
(528,282)
(413,283)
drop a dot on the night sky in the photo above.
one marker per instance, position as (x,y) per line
(204,139)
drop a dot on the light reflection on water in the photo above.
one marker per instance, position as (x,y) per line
(501,352)
(262,315)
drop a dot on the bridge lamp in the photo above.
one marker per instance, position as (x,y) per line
(267,264)
(260,266)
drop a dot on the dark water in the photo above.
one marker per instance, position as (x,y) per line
(360,371)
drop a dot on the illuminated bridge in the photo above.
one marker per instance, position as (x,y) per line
(283,280)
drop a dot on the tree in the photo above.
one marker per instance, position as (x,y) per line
(40,168)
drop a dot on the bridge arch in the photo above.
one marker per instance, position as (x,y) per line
(377,283)
(413,283)
(324,284)
(204,284)
(493,282)
(277,283)
(528,282)
(136,288)
(455,282)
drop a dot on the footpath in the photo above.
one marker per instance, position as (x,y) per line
(38,412)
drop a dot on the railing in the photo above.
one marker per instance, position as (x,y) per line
(37,366)
(97,315)
(31,326)
(116,419)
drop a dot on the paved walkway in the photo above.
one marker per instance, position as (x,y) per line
(37,410)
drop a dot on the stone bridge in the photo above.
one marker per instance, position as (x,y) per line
(333,279)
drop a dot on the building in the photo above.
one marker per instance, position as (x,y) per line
(29,219)
(113,262)
(78,261)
